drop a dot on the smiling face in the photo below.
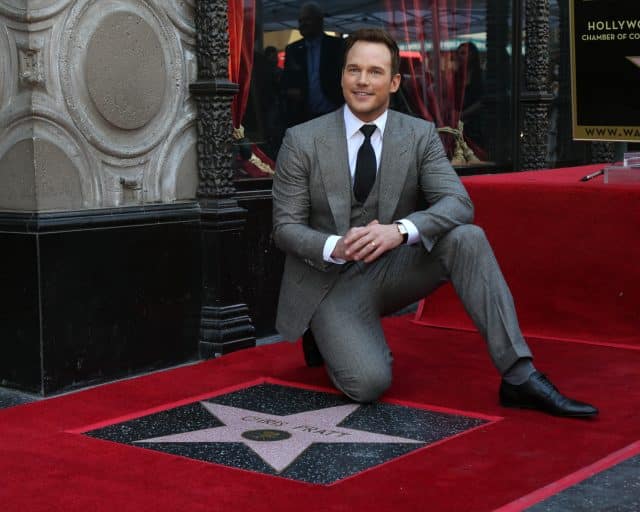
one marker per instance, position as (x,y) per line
(367,82)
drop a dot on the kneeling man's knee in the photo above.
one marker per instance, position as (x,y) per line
(369,385)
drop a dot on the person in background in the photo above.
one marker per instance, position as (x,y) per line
(312,66)
(470,88)
(271,102)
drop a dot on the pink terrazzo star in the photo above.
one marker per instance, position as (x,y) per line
(279,440)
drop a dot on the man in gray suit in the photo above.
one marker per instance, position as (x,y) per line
(348,210)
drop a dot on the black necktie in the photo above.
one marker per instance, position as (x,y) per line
(365,165)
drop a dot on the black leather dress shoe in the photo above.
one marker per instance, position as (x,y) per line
(539,393)
(312,355)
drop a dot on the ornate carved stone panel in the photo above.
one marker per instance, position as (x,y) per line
(33,11)
(31,67)
(214,147)
(214,94)
(603,152)
(6,66)
(177,162)
(536,97)
(182,15)
(105,86)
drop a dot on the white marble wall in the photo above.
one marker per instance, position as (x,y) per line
(94,103)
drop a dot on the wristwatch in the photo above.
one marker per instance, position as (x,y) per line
(403,231)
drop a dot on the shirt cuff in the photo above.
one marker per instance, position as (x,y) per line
(412,231)
(329,246)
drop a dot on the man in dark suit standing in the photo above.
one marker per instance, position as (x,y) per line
(347,211)
(312,67)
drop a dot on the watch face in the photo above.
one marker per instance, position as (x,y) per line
(403,231)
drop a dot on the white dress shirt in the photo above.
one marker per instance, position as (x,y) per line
(355,138)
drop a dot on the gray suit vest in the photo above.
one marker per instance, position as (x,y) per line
(362,214)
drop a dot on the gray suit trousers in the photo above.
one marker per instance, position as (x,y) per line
(347,327)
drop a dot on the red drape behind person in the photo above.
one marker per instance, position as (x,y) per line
(435,90)
(241,35)
(241,14)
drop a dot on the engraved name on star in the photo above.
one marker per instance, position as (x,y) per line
(279,440)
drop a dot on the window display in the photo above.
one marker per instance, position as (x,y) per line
(455,67)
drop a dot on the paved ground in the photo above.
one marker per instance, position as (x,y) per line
(9,398)
(616,489)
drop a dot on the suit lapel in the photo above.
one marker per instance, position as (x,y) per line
(331,147)
(393,168)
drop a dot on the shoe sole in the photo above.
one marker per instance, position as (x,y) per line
(534,408)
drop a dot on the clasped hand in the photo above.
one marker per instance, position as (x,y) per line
(367,243)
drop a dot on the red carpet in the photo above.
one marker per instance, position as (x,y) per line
(47,468)
(568,249)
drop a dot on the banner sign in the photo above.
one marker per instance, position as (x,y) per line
(605,69)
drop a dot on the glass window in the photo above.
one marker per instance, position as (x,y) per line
(455,66)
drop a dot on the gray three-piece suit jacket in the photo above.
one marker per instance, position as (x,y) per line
(312,199)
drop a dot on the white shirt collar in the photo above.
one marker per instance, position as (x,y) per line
(352,123)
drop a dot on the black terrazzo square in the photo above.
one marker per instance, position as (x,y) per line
(294,433)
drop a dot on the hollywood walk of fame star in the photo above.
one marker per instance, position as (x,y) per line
(279,440)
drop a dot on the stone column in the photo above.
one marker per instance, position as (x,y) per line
(225,323)
(535,99)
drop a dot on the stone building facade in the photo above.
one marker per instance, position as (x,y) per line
(95,103)
(99,229)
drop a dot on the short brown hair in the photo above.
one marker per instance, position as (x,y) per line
(375,35)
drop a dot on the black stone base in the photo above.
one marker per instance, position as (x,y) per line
(224,330)
(265,262)
(95,295)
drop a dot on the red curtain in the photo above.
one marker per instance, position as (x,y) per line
(242,14)
(434,80)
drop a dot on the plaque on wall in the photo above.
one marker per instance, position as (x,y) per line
(605,69)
